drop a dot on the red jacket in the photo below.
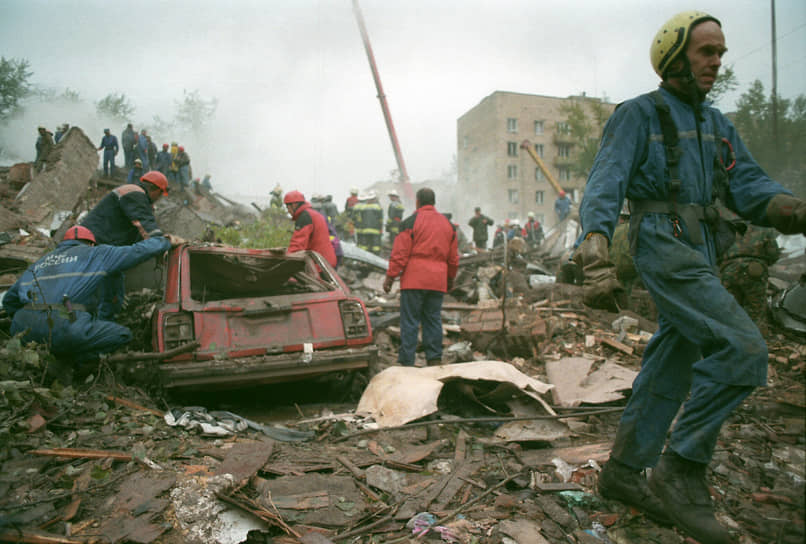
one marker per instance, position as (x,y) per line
(310,232)
(425,252)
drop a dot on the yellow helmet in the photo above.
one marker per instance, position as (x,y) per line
(671,39)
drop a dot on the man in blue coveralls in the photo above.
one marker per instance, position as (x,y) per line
(68,298)
(109,143)
(668,152)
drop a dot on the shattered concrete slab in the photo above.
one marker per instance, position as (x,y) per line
(63,183)
(580,380)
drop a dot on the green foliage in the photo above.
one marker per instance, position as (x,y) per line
(14,84)
(272,230)
(780,151)
(585,130)
(194,112)
(725,82)
(116,106)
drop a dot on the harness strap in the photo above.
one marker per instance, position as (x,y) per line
(53,307)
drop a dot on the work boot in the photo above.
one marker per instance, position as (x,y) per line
(680,486)
(621,483)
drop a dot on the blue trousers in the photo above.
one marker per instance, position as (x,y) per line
(184,176)
(707,354)
(109,162)
(420,306)
(82,340)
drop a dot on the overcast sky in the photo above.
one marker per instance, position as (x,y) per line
(297,103)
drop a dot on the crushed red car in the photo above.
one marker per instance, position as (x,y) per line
(258,316)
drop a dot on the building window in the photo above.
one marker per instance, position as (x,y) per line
(538,128)
(563,150)
(538,197)
(513,196)
(539,150)
(539,175)
(465,142)
(563,127)
(565,173)
(512,171)
(512,149)
(512,124)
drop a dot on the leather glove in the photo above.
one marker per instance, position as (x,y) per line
(600,287)
(175,240)
(387,284)
(787,214)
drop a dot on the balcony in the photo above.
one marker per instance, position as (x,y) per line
(562,161)
(563,138)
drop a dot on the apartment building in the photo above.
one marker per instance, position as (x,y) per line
(494,172)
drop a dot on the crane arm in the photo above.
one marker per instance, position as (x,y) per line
(527,145)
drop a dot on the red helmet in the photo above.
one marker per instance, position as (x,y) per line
(165,146)
(562,193)
(157,178)
(78,232)
(293,196)
(181,148)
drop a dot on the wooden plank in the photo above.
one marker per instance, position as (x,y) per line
(616,344)
(83,454)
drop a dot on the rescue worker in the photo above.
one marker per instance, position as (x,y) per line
(371,221)
(173,174)
(277,197)
(534,231)
(163,161)
(109,143)
(744,270)
(352,200)
(126,215)
(425,257)
(562,206)
(394,214)
(480,224)
(142,149)
(152,152)
(69,297)
(59,134)
(44,144)
(136,172)
(127,139)
(318,203)
(501,234)
(707,354)
(331,211)
(310,228)
(206,184)
(182,160)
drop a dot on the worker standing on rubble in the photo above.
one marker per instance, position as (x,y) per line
(331,211)
(277,198)
(534,231)
(136,172)
(109,143)
(142,149)
(173,174)
(372,223)
(163,161)
(183,163)
(426,258)
(480,224)
(671,154)
(310,228)
(44,143)
(394,214)
(352,200)
(126,214)
(127,139)
(69,297)
(562,206)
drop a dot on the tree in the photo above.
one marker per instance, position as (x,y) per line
(725,82)
(14,86)
(585,130)
(781,155)
(116,106)
(194,112)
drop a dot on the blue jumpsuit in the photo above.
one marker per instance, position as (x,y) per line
(706,346)
(109,143)
(142,152)
(562,207)
(91,276)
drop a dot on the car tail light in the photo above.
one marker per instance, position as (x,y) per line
(178,329)
(354,319)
